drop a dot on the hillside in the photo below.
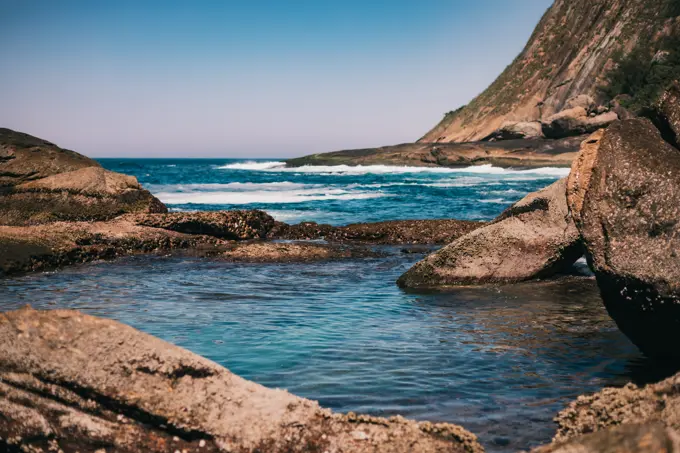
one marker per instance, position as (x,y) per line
(599,48)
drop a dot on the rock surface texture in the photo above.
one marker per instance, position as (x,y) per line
(632,438)
(655,403)
(534,238)
(40,183)
(71,382)
(624,194)
(568,58)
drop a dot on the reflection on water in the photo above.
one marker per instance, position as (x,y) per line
(500,361)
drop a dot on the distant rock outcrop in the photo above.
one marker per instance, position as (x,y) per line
(624,194)
(533,238)
(566,64)
(71,382)
(40,182)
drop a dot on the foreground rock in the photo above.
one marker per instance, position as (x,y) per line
(624,193)
(72,382)
(534,238)
(632,438)
(389,232)
(666,115)
(655,403)
(522,153)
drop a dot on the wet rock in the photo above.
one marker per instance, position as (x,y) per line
(90,193)
(534,238)
(440,231)
(235,225)
(277,252)
(633,438)
(575,121)
(625,197)
(72,382)
(654,403)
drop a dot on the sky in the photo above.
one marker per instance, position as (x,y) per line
(248,78)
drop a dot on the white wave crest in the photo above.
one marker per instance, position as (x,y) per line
(329,170)
(253,165)
(239,186)
(262,197)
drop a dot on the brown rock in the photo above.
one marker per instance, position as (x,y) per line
(654,403)
(532,239)
(647,438)
(90,193)
(575,121)
(26,158)
(235,225)
(73,382)
(578,180)
(439,231)
(628,187)
(666,114)
(511,130)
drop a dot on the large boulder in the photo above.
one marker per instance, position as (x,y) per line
(71,382)
(575,121)
(655,403)
(90,193)
(624,194)
(26,158)
(534,238)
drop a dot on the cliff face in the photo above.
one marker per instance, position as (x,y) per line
(573,50)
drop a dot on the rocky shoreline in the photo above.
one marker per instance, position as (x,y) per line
(77,383)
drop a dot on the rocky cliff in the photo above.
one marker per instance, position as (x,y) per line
(601,49)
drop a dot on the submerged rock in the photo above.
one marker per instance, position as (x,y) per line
(533,238)
(632,438)
(624,193)
(73,382)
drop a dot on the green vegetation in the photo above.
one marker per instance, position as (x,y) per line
(646,71)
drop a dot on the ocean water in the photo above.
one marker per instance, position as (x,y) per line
(499,360)
(337,195)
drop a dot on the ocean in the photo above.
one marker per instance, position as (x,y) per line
(501,361)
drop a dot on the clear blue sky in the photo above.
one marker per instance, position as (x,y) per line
(248,78)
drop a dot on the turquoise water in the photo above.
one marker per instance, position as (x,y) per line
(500,361)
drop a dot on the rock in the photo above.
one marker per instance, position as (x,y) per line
(583,101)
(235,225)
(575,121)
(666,114)
(624,194)
(511,130)
(534,238)
(276,252)
(439,231)
(633,438)
(654,403)
(73,382)
(90,193)
(26,158)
